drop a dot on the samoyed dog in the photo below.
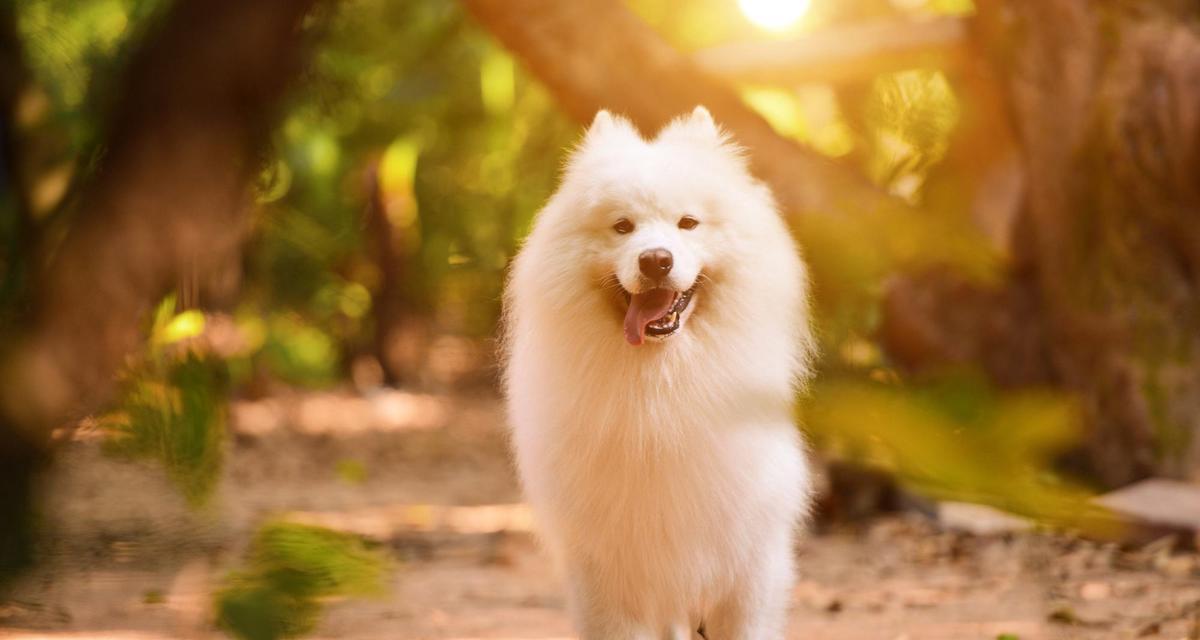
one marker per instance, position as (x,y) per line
(656,331)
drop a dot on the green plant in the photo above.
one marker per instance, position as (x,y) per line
(173,409)
(291,569)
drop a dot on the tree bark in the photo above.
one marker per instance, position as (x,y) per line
(1104,96)
(392,312)
(20,459)
(166,202)
(14,204)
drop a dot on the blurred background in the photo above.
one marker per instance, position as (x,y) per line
(253,252)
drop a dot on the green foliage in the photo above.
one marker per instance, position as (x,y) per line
(291,568)
(809,114)
(899,130)
(298,352)
(351,471)
(72,47)
(461,136)
(464,144)
(173,409)
(850,257)
(910,116)
(959,439)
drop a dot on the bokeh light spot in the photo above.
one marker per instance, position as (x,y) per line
(774,15)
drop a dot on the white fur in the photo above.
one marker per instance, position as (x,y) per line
(668,478)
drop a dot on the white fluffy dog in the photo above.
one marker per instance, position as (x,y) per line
(656,332)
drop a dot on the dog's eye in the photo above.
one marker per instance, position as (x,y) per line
(687,223)
(623,226)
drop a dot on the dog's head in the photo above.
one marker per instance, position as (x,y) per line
(659,229)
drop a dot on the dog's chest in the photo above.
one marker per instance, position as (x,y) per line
(640,510)
(682,496)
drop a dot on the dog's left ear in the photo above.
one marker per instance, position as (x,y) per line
(697,125)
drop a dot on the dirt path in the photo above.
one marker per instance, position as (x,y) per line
(128,560)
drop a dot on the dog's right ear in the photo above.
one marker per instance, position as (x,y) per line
(602,121)
(702,120)
(606,128)
(603,124)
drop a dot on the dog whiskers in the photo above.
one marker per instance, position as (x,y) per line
(611,282)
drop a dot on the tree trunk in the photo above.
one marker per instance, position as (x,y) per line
(16,224)
(166,202)
(1105,98)
(395,319)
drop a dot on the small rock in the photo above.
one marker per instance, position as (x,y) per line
(979,519)
(923,598)
(1166,504)
(1162,546)
(1095,591)
(1152,629)
(816,596)
(1064,614)
(1176,566)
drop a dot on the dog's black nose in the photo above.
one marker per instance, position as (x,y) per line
(656,263)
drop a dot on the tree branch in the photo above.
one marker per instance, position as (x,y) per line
(595,54)
(841,54)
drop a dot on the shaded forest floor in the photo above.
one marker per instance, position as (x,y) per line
(429,478)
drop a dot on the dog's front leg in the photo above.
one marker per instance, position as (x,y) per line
(757,607)
(598,617)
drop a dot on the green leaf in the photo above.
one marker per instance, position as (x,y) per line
(291,568)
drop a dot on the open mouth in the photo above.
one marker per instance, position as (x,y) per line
(657,312)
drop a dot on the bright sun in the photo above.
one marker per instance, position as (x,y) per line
(776,15)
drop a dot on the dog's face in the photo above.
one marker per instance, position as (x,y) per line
(652,221)
(655,228)
(656,258)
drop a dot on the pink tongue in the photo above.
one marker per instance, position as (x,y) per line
(645,308)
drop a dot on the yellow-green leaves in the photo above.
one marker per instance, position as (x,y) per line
(497,82)
(290,570)
(174,413)
(960,440)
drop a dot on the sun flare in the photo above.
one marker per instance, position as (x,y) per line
(774,15)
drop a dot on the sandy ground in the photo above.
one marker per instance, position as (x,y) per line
(125,558)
